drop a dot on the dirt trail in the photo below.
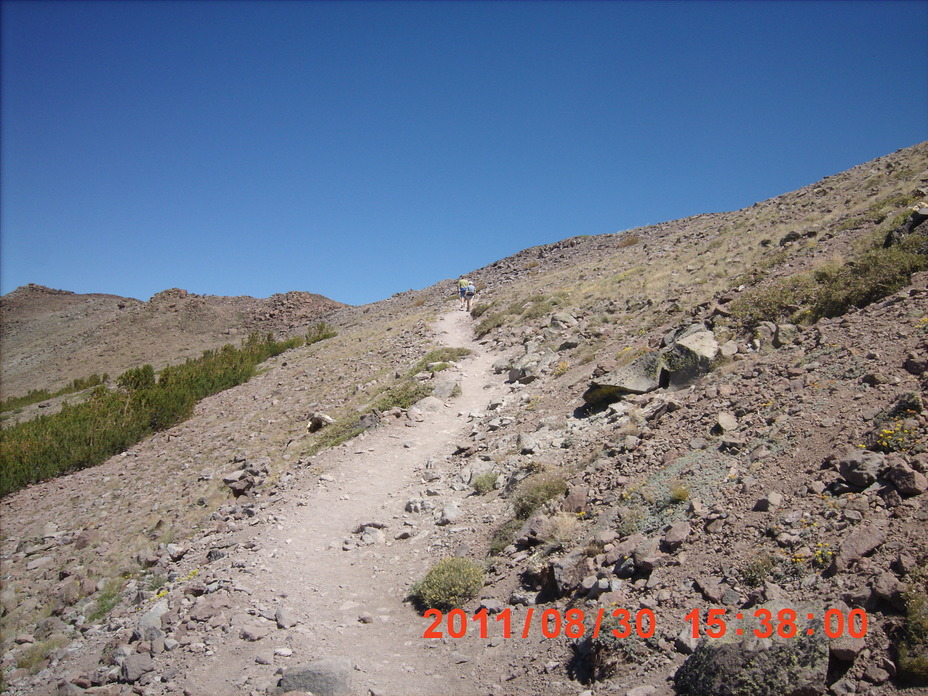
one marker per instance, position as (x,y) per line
(349,603)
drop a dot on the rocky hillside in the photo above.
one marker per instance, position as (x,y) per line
(686,427)
(51,337)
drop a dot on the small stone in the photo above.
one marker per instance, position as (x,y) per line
(771,501)
(135,666)
(254,633)
(876,675)
(856,545)
(285,618)
(449,514)
(676,535)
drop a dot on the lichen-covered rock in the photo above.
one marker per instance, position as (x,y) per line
(640,376)
(689,358)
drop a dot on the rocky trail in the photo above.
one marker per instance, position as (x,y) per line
(311,586)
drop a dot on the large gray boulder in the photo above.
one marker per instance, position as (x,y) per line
(745,665)
(689,358)
(689,355)
(640,376)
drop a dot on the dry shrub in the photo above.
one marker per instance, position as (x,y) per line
(535,492)
(450,583)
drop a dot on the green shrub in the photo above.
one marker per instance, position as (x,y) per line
(438,355)
(759,569)
(33,657)
(535,492)
(337,433)
(490,322)
(485,482)
(679,493)
(137,378)
(898,435)
(110,422)
(449,584)
(774,302)
(320,332)
(403,395)
(872,276)
(106,600)
(834,288)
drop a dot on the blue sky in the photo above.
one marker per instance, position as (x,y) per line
(362,149)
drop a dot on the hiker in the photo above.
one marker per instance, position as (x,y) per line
(469,293)
(462,291)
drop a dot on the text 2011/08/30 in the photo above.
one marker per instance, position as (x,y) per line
(552,623)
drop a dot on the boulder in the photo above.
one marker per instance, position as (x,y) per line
(430,404)
(446,387)
(689,358)
(254,632)
(860,468)
(565,574)
(562,320)
(318,421)
(149,626)
(771,501)
(135,666)
(785,334)
(906,480)
(449,514)
(855,546)
(676,535)
(724,422)
(576,499)
(285,618)
(640,376)
(890,589)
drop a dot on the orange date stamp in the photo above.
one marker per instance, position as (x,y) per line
(623,623)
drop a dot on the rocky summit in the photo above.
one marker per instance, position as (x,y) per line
(683,459)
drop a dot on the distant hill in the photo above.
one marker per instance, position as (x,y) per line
(51,337)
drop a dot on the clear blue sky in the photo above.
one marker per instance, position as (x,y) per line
(362,149)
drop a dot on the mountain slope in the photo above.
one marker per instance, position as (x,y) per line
(736,491)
